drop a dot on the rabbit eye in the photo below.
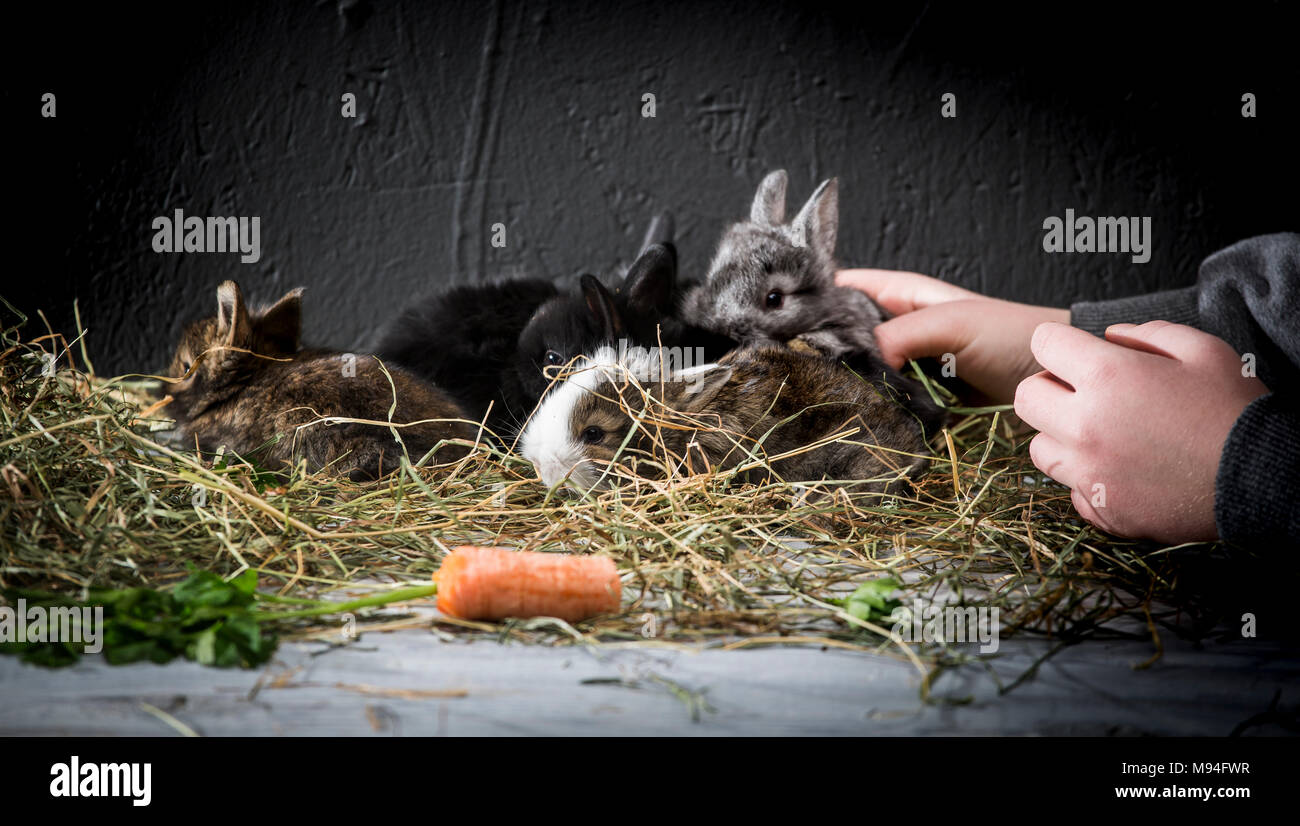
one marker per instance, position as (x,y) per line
(774,299)
(593,435)
(185,367)
(553,358)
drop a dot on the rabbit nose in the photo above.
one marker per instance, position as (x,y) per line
(552,470)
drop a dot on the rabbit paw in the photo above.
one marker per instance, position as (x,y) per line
(819,343)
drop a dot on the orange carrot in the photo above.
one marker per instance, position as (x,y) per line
(495,583)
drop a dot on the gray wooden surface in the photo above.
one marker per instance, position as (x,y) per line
(390,684)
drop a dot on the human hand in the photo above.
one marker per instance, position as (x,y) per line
(987,337)
(1135,424)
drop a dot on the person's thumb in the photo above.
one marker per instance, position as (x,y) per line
(901,292)
(929,331)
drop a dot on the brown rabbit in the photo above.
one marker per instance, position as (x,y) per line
(244,383)
(713,416)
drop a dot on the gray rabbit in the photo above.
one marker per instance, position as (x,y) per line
(773,282)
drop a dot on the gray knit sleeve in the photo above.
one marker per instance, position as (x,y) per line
(1257,489)
(1178,306)
(1247,294)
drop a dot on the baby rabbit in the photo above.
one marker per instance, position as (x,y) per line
(639,314)
(244,383)
(772,282)
(713,417)
(465,340)
(493,343)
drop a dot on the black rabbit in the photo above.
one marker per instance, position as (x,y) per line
(493,343)
(464,339)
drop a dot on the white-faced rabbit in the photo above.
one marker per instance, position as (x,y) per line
(772,282)
(713,416)
(244,383)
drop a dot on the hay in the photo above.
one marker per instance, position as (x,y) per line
(91,498)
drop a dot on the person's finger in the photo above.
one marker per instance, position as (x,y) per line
(930,331)
(900,292)
(1070,354)
(1164,338)
(1046,405)
(1079,498)
(1054,458)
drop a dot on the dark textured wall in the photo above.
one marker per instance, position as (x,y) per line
(529,114)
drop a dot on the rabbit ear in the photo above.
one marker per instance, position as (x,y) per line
(601,306)
(661,230)
(694,388)
(818,222)
(650,282)
(769,201)
(232,316)
(281,323)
